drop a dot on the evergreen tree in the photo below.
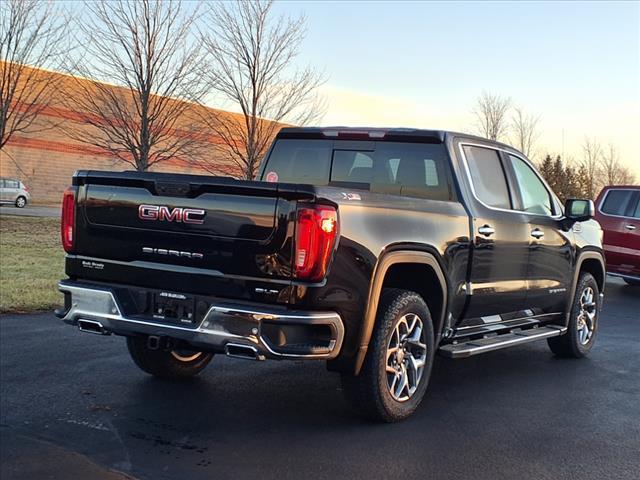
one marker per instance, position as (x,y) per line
(559,178)
(583,182)
(547,171)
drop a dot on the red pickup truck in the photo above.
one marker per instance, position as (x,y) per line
(618,211)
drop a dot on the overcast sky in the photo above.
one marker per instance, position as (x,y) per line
(423,64)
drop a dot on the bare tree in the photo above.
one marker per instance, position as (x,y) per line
(611,170)
(491,115)
(31,35)
(250,56)
(525,131)
(146,48)
(590,164)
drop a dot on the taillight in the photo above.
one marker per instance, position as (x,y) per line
(68,219)
(316,233)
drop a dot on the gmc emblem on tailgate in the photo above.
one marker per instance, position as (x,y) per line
(166,214)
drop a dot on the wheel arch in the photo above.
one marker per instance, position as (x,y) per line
(390,271)
(592,262)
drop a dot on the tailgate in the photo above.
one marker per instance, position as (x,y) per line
(225,226)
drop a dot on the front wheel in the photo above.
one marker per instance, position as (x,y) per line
(173,364)
(583,321)
(396,371)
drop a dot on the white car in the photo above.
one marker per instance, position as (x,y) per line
(14,191)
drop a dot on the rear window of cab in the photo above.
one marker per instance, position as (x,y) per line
(418,170)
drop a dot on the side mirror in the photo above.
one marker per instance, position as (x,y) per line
(579,210)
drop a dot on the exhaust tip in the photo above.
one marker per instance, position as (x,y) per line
(246,352)
(92,326)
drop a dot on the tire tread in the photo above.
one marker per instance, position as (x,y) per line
(566,346)
(363,391)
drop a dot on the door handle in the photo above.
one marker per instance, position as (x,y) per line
(630,227)
(486,230)
(537,233)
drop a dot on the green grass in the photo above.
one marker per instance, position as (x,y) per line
(31,263)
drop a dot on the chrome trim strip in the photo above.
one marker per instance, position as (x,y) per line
(504,322)
(268,316)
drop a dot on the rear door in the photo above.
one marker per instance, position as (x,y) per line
(550,271)
(500,240)
(616,213)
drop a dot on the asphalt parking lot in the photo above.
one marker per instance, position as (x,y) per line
(74,406)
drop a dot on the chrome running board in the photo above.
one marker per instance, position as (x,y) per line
(468,348)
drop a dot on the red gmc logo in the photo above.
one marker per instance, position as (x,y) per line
(166,214)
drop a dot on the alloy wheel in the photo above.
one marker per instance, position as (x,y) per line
(185,355)
(587,316)
(406,357)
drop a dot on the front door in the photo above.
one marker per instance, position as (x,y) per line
(550,271)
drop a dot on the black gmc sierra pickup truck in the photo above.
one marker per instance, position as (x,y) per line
(372,249)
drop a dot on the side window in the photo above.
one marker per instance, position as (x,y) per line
(487,176)
(636,213)
(407,169)
(616,202)
(11,184)
(535,196)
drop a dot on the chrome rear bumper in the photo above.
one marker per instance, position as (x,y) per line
(224,324)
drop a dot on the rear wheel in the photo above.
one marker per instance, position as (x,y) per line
(21,202)
(583,322)
(396,371)
(175,364)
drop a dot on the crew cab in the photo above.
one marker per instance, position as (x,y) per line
(370,249)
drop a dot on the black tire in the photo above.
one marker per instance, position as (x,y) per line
(633,282)
(369,393)
(21,202)
(572,344)
(166,363)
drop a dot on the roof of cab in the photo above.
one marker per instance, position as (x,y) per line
(381,134)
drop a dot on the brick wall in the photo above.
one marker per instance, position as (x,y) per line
(47,170)
(46,159)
